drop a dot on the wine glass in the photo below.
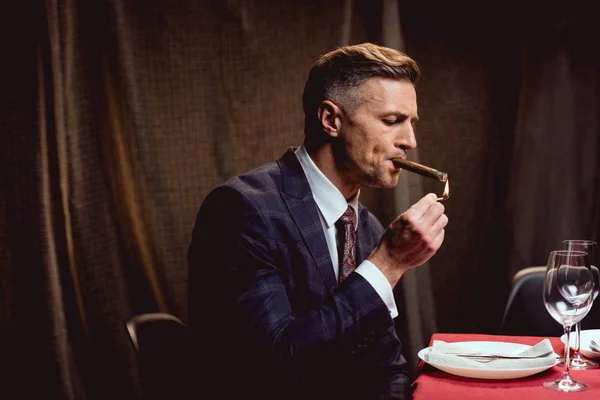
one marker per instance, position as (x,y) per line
(568,288)
(578,361)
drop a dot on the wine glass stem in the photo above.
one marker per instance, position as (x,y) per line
(567,350)
(578,337)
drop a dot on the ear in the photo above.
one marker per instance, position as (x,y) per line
(330,118)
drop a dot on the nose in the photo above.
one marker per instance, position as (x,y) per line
(406,139)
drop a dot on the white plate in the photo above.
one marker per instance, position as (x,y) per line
(586,336)
(488,373)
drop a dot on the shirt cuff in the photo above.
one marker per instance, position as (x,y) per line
(382,286)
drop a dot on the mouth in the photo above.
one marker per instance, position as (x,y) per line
(395,165)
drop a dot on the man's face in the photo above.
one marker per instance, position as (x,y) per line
(381,128)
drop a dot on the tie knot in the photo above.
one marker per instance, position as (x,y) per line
(349,217)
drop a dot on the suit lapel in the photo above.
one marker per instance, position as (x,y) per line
(298,198)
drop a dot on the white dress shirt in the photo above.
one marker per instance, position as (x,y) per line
(332,204)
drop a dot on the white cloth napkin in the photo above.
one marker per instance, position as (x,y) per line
(441,353)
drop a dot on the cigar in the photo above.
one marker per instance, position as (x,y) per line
(420,169)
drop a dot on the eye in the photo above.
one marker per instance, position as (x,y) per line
(394,120)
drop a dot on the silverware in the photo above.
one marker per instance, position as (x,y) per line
(498,356)
(487,357)
(594,346)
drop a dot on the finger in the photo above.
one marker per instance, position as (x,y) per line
(439,239)
(432,214)
(436,228)
(440,224)
(420,207)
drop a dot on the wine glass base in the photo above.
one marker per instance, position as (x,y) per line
(566,385)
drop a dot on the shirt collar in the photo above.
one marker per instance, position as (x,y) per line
(330,201)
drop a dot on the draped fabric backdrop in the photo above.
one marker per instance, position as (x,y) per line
(118,117)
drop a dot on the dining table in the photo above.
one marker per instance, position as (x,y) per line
(432,383)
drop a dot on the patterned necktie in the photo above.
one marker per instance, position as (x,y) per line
(346,224)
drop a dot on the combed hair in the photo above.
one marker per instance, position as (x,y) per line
(337,75)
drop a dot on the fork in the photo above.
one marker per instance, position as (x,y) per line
(594,346)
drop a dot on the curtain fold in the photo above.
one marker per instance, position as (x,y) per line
(553,186)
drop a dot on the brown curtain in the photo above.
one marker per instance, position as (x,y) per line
(118,117)
(509,108)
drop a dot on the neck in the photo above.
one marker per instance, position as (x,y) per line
(324,158)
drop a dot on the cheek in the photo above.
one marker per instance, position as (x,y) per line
(380,147)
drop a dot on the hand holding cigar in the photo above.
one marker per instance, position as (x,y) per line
(424,171)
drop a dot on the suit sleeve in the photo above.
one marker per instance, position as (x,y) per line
(391,379)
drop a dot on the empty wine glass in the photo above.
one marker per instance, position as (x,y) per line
(568,288)
(577,360)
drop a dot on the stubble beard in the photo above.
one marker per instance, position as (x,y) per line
(380,179)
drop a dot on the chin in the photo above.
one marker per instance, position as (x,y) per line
(383,183)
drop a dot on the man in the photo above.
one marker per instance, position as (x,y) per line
(277,309)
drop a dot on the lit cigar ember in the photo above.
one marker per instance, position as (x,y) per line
(420,169)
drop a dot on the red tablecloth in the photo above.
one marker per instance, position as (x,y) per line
(431,383)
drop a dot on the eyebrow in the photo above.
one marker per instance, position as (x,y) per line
(405,115)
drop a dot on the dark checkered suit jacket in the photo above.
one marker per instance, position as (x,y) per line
(267,315)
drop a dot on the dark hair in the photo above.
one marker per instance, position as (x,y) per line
(336,75)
